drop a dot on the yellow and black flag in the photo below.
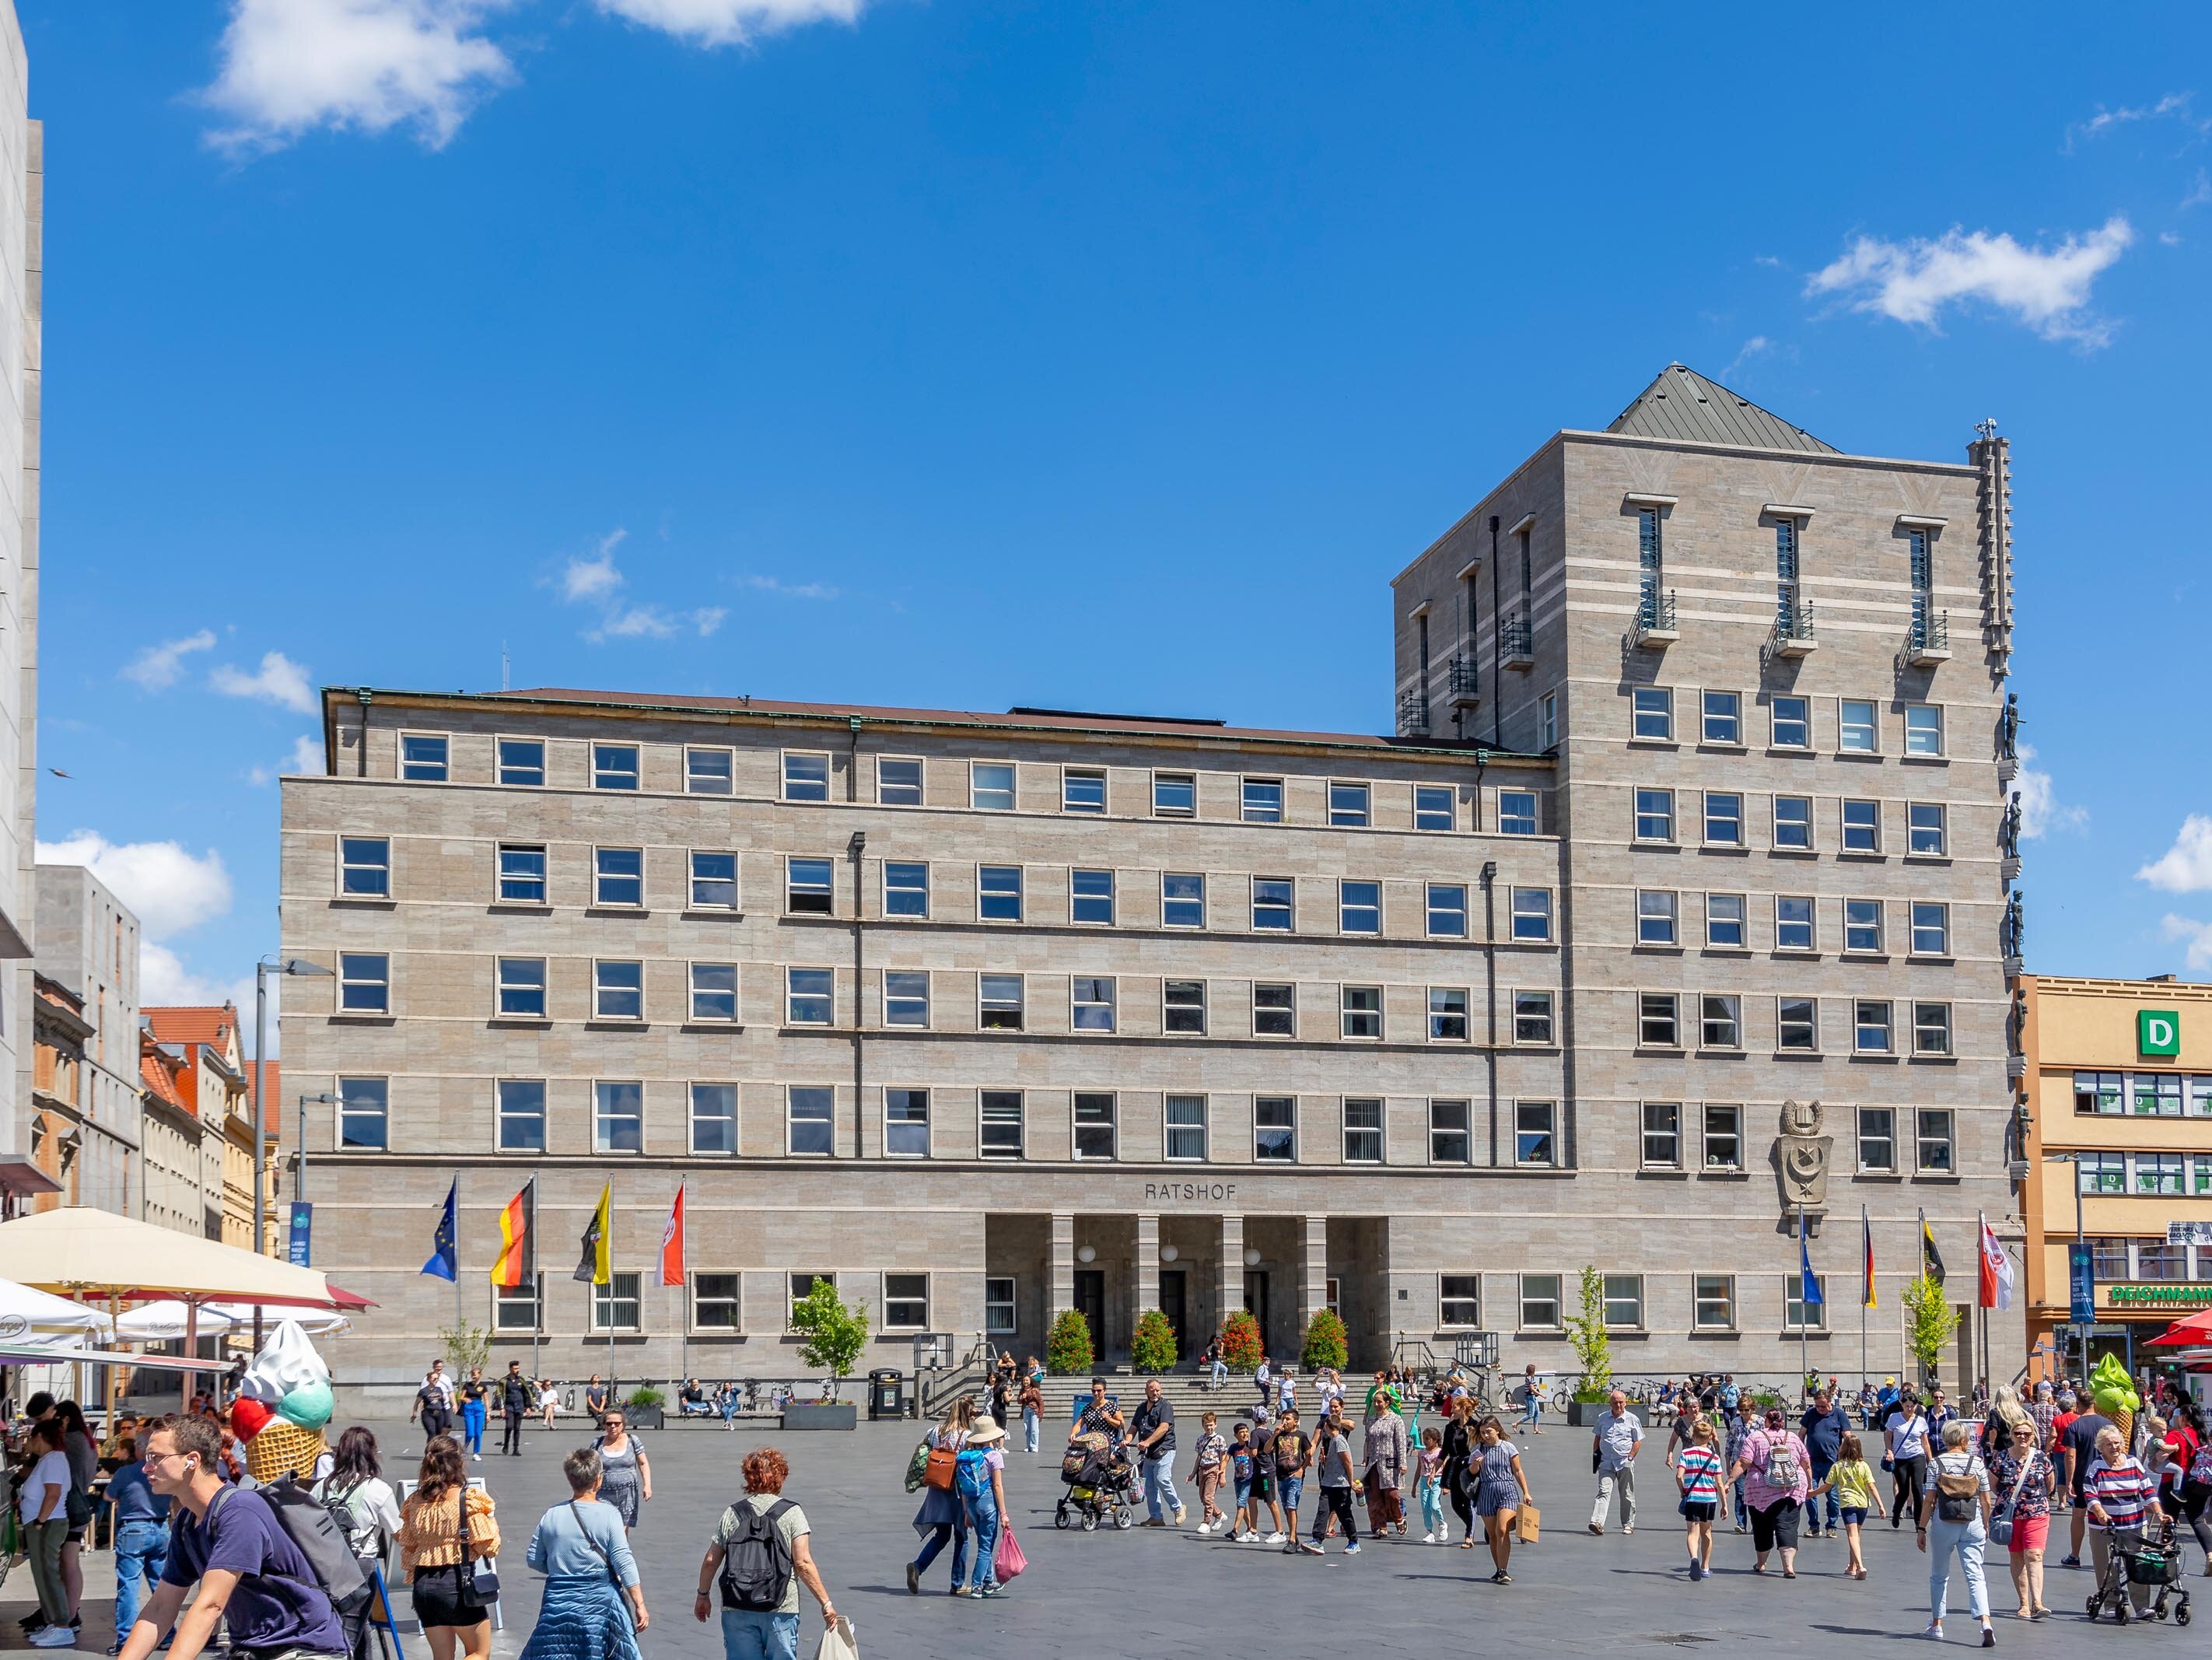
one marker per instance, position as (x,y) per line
(1931,1260)
(593,1268)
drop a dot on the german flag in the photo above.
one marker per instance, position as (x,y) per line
(512,1266)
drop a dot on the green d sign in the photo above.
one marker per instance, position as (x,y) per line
(2158,1031)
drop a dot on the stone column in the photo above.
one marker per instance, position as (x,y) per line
(1313,1275)
(1148,1266)
(1229,1284)
(1063,1267)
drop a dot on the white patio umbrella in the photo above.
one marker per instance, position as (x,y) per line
(166,1321)
(32,1317)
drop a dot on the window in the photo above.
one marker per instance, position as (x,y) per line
(1447,910)
(1793,822)
(615,1304)
(1263,801)
(2200,1172)
(1182,901)
(807,996)
(1652,712)
(714,881)
(1658,1026)
(906,1123)
(1182,1007)
(1532,1017)
(521,761)
(1855,726)
(1877,1142)
(1662,1136)
(1090,896)
(364,982)
(1449,1141)
(422,757)
(1271,903)
(2100,1091)
(998,1307)
(2108,1259)
(1723,1138)
(906,889)
(2159,1173)
(1459,1301)
(710,772)
(617,991)
(1793,723)
(1175,794)
(999,893)
(1862,827)
(1931,1028)
(802,1286)
(1275,1129)
(1650,565)
(1797,1025)
(1186,1127)
(1931,928)
(1547,720)
(1432,807)
(1092,1004)
(1721,1021)
(522,987)
(810,1113)
(1655,918)
(1082,789)
(906,1302)
(617,1117)
(717,1302)
(1923,729)
(1363,1132)
(515,1308)
(2200,1098)
(1094,1125)
(1363,1011)
(1540,1302)
(614,766)
(364,1113)
(1713,1302)
(1724,919)
(713,1118)
(522,875)
(2155,1260)
(1001,1132)
(364,868)
(1798,1314)
(1447,1014)
(1347,804)
(2157,1094)
(1793,922)
(1926,830)
(521,1114)
(991,785)
(618,876)
(1534,1139)
(1655,815)
(1624,1302)
(1517,812)
(1723,819)
(998,1001)
(898,781)
(805,776)
(1274,1010)
(1935,1141)
(1359,907)
(1532,913)
(1862,925)
(1723,717)
(906,997)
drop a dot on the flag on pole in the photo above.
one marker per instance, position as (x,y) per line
(671,1242)
(444,1251)
(1996,1270)
(511,1268)
(1809,1283)
(1931,1260)
(592,1267)
(1866,1239)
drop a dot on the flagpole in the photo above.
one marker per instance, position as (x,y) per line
(1804,1308)
(1920,1244)
(1981,1271)
(1866,1290)
(537,1288)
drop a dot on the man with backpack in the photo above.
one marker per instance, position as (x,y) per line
(231,1543)
(758,1558)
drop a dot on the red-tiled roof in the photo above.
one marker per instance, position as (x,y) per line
(157,1071)
(272,1094)
(194,1023)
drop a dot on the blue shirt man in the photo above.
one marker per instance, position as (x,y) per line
(1824,1426)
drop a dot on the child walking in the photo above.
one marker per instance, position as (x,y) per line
(1213,1454)
(1247,1518)
(1429,1487)
(1697,1471)
(1852,1479)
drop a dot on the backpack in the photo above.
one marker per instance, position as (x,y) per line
(971,1475)
(319,1529)
(1956,1492)
(756,1563)
(1782,1462)
(917,1467)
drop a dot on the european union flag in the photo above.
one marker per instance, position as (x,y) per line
(1809,1283)
(445,1256)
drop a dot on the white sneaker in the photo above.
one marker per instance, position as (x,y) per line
(52,1636)
(1246,1537)
(1428,1539)
(1277,1538)
(1206,1527)
(478,1456)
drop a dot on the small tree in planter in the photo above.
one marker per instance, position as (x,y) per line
(466,1345)
(1930,1320)
(1241,1348)
(1067,1348)
(834,1333)
(1324,1343)
(1152,1345)
(1592,1343)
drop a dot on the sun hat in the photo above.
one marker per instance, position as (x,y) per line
(985,1429)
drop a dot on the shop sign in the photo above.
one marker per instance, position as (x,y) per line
(2188,1233)
(2164,1296)
(2158,1032)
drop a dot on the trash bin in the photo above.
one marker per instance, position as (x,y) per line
(886,1390)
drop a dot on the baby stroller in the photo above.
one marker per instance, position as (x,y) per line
(1102,1485)
(2140,1558)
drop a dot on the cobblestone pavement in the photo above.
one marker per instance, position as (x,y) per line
(1153,1593)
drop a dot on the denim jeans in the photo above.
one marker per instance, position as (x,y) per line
(1290,1489)
(957,1533)
(1221,1373)
(1531,1409)
(472,1423)
(1432,1495)
(1813,1505)
(1967,1539)
(983,1522)
(142,1548)
(750,1636)
(1159,1487)
(1029,1429)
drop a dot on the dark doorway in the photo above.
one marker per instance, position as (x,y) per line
(1173,1305)
(1255,1300)
(1091,1302)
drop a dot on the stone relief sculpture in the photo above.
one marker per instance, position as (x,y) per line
(1801,1158)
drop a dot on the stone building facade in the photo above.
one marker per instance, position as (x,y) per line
(88,945)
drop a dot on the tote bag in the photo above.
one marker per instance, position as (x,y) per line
(838,1642)
(1007,1560)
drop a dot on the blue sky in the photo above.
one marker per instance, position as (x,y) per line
(904,351)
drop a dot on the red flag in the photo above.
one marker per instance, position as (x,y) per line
(1996,1271)
(671,1242)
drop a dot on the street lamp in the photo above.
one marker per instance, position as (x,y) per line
(291,965)
(2080,1331)
(300,1148)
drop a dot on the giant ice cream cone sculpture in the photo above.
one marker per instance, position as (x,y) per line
(282,1407)
(2113,1393)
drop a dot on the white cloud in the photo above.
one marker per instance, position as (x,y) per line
(2187,867)
(2040,809)
(279,681)
(306,756)
(169,888)
(790,590)
(594,576)
(2198,935)
(158,667)
(2200,192)
(292,67)
(654,623)
(2046,289)
(164,977)
(2175,105)
(729,22)
(1752,348)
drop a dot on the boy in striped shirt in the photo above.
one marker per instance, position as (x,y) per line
(1698,1470)
(2123,1499)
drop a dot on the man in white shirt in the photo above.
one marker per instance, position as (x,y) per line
(1618,1439)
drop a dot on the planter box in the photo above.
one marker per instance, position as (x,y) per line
(821,1415)
(642,1418)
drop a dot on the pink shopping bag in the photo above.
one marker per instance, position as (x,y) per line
(1007,1561)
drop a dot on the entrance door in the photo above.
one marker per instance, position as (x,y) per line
(1091,1302)
(1255,1300)
(1173,1305)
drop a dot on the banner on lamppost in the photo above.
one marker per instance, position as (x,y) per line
(303,1232)
(2081,1280)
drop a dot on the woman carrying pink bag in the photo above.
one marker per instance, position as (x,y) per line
(979,1483)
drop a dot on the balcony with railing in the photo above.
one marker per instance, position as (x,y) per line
(1517,646)
(1654,619)
(1413,715)
(1793,628)
(1929,642)
(1466,681)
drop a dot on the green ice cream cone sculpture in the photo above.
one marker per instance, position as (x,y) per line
(2114,1393)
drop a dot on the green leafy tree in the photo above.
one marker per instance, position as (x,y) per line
(835,1332)
(1590,1340)
(1152,1345)
(1067,1348)
(1324,1342)
(1241,1348)
(1929,1321)
(466,1345)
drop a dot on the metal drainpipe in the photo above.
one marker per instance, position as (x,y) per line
(855,848)
(361,755)
(1497,645)
(1490,976)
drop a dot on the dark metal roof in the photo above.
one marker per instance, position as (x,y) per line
(1682,404)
